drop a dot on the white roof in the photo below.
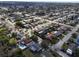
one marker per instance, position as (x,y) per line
(69,51)
(55,32)
(22,47)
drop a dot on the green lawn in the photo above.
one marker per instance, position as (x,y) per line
(54,40)
(65,33)
(65,46)
(72,40)
(61,36)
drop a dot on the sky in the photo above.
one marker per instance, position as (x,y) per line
(44,0)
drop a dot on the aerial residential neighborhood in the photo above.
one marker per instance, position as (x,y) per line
(39,29)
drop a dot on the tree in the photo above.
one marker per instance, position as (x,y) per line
(27,53)
(77,52)
(2,30)
(45,44)
(14,35)
(18,23)
(3,51)
(34,38)
(54,40)
(74,35)
(16,52)
(12,41)
(65,46)
(4,38)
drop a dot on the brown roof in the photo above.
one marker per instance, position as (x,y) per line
(27,41)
